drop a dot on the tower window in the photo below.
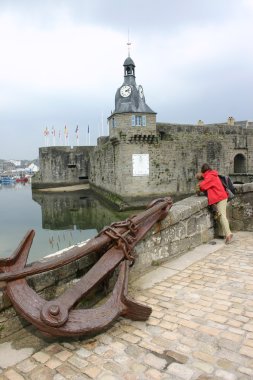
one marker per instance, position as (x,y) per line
(113,123)
(138,120)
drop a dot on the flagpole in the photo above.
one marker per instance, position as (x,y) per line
(53,134)
(77,136)
(65,136)
(102,124)
(46,133)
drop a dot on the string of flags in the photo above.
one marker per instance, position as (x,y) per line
(53,138)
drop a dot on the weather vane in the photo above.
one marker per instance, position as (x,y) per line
(128,44)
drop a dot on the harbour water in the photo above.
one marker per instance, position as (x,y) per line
(59,219)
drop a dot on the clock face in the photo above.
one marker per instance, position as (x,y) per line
(125,91)
(141,93)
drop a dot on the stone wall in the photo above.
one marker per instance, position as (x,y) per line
(188,225)
(217,144)
(62,166)
(241,208)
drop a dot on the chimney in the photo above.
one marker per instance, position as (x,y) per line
(231,120)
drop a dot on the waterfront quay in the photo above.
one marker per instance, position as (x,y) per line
(201,326)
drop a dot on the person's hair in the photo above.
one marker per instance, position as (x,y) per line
(205,167)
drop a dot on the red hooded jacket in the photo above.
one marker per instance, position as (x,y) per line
(212,184)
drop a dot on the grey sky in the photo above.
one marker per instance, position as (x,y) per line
(61,64)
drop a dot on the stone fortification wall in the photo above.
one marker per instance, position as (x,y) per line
(111,172)
(241,208)
(61,166)
(176,153)
(217,144)
(188,224)
(184,148)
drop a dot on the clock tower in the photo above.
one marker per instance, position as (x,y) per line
(123,166)
(132,114)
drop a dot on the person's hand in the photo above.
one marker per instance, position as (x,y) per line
(197,189)
(198,176)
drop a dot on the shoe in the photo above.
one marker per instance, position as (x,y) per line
(229,239)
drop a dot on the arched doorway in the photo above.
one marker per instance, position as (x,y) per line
(239,163)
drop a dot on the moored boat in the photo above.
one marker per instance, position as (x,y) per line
(22,179)
(6,179)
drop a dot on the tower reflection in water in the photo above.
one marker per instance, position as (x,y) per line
(72,217)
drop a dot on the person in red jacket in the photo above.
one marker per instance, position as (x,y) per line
(216,195)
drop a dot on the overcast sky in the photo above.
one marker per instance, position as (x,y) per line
(61,62)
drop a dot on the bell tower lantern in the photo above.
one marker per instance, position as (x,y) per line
(129,67)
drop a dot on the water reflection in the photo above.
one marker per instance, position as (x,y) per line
(75,211)
(71,217)
(59,219)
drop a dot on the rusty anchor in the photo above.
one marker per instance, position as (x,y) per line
(59,317)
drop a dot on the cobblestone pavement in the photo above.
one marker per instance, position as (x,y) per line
(201,328)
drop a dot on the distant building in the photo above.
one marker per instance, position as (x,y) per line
(33,168)
(15,162)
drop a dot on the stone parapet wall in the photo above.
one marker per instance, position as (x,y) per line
(240,209)
(188,224)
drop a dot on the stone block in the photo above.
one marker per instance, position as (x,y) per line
(181,230)
(43,280)
(191,226)
(12,325)
(4,301)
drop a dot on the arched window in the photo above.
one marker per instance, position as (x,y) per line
(239,163)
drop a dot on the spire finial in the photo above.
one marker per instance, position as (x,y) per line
(128,44)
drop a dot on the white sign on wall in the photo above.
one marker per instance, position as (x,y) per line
(140,165)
